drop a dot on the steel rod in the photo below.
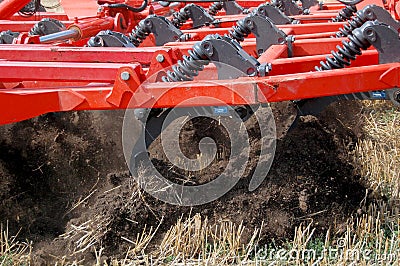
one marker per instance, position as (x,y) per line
(59,36)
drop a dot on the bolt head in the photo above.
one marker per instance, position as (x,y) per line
(250,24)
(369,13)
(140,113)
(160,58)
(369,33)
(207,48)
(125,75)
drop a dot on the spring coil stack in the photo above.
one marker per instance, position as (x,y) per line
(31,8)
(240,31)
(345,14)
(140,33)
(179,18)
(345,53)
(189,66)
(37,29)
(215,8)
(357,21)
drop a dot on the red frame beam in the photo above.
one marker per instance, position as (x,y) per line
(156,95)
(56,79)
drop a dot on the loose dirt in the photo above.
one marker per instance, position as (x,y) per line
(60,170)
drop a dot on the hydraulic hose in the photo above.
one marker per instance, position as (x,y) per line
(130,8)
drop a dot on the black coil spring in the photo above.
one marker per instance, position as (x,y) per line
(189,67)
(140,33)
(240,31)
(356,22)
(38,30)
(31,8)
(215,8)
(345,53)
(179,18)
(345,14)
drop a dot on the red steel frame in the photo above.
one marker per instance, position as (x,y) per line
(54,78)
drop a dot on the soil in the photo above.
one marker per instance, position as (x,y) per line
(50,163)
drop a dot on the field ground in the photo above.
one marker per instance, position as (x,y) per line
(67,199)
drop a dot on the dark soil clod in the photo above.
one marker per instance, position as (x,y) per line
(49,163)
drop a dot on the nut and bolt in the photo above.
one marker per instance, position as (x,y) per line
(370,34)
(250,24)
(264,69)
(125,75)
(160,58)
(290,38)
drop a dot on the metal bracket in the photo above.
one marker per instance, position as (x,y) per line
(110,38)
(306,4)
(274,14)
(266,32)
(230,58)
(385,39)
(372,12)
(289,40)
(7,37)
(199,15)
(163,29)
(233,8)
(288,7)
